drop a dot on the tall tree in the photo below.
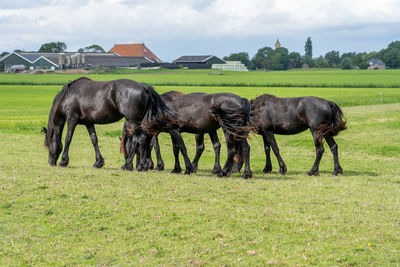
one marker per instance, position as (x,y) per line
(308,47)
(54,47)
(241,56)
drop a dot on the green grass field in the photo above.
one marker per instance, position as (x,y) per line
(84,216)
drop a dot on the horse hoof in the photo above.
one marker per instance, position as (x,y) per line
(338,171)
(247,175)
(187,171)
(267,170)
(127,167)
(311,173)
(216,170)
(98,164)
(194,169)
(63,164)
(176,171)
(159,168)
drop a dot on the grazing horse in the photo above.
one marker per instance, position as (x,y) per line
(88,102)
(273,115)
(201,113)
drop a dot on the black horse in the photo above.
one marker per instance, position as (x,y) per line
(201,113)
(273,115)
(88,102)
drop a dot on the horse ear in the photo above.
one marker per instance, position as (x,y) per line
(44,130)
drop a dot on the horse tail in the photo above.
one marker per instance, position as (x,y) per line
(338,123)
(156,112)
(235,122)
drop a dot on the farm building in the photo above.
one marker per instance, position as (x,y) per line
(376,64)
(70,60)
(198,62)
(134,50)
(231,66)
(29,60)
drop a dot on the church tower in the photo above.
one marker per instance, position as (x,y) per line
(277,44)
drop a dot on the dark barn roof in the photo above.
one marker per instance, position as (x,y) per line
(193,59)
(198,62)
(114,61)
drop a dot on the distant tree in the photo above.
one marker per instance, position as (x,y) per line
(295,60)
(333,58)
(391,55)
(241,56)
(18,50)
(321,62)
(54,47)
(278,59)
(92,49)
(308,47)
(350,55)
(346,64)
(260,59)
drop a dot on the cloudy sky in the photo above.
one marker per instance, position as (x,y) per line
(171,28)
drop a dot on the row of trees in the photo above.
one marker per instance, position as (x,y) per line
(281,59)
(59,47)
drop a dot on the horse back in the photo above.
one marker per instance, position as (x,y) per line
(102,102)
(194,112)
(289,115)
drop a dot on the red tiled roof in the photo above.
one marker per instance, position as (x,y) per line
(134,50)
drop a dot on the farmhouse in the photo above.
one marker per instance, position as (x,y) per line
(70,60)
(134,50)
(376,64)
(198,62)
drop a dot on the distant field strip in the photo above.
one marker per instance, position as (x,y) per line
(207,78)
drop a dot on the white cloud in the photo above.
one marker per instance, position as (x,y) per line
(83,22)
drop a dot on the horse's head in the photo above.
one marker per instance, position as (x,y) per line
(52,141)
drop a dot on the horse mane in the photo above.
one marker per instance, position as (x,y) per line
(54,108)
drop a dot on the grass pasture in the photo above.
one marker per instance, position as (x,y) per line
(84,216)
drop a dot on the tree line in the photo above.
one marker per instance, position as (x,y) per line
(279,58)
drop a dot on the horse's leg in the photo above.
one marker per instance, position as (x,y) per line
(179,140)
(271,140)
(319,150)
(156,145)
(132,142)
(70,132)
(247,173)
(131,152)
(217,149)
(231,146)
(199,151)
(267,149)
(93,137)
(334,149)
(144,147)
(149,159)
(175,149)
(127,143)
